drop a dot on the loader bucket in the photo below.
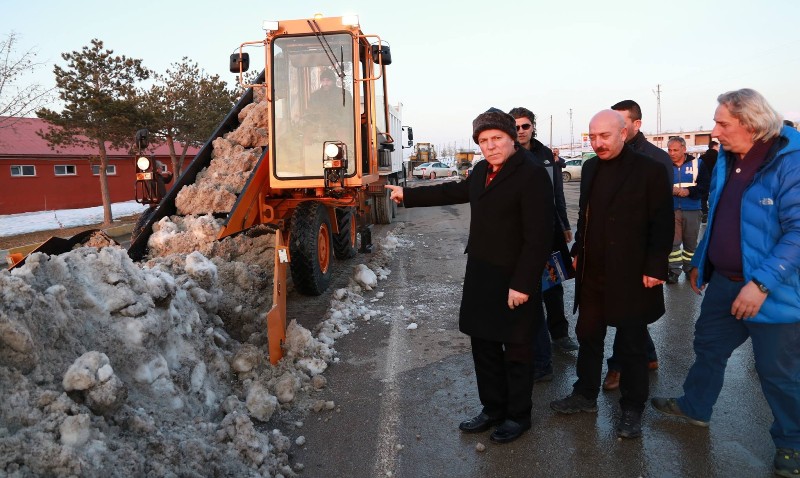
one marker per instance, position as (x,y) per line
(59,245)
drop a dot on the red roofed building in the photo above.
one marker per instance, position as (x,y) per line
(34,177)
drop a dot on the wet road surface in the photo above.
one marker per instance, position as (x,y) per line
(401,393)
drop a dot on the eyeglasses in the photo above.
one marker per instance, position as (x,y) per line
(525,126)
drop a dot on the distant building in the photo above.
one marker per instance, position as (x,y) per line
(696,141)
(34,177)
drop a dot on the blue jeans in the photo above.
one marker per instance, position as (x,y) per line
(777,358)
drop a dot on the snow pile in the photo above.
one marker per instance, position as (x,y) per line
(233,158)
(110,365)
(254,129)
(216,187)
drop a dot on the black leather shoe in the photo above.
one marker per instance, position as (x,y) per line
(509,431)
(478,424)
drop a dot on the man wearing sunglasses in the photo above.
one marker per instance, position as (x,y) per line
(553,298)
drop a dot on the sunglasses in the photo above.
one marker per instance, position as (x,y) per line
(525,126)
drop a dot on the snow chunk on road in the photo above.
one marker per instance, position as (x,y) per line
(365,277)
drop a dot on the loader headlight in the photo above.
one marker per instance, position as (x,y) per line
(334,162)
(333,150)
(143,163)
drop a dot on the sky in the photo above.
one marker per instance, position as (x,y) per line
(453,61)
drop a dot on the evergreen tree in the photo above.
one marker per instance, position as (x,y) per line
(185,105)
(100,96)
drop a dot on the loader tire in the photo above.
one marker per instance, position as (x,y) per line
(385,208)
(345,243)
(310,248)
(144,217)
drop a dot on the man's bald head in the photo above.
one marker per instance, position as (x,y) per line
(607,133)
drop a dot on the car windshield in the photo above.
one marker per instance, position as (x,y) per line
(424,165)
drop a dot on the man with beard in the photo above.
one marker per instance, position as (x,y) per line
(622,243)
(510,235)
(632,114)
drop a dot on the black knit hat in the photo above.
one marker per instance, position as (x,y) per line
(494,118)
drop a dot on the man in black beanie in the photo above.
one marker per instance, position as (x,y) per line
(510,234)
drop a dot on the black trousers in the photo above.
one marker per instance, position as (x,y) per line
(630,348)
(504,373)
(557,324)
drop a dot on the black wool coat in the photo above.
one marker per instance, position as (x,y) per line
(638,239)
(510,236)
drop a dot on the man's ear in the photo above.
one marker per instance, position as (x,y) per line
(637,125)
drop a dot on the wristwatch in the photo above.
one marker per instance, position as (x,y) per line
(760,286)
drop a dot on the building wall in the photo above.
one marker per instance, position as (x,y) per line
(46,191)
(692,138)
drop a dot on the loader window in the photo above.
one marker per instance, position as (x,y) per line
(313,80)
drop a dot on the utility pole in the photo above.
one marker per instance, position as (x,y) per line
(657,92)
(570,131)
(551,131)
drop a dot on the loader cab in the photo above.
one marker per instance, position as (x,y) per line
(328,110)
(313,104)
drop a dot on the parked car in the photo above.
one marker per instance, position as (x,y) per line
(433,170)
(573,168)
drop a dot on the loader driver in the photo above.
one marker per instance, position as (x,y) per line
(329,118)
(331,106)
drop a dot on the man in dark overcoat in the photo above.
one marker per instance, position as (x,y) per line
(510,235)
(624,237)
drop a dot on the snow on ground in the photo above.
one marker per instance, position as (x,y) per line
(106,364)
(13,224)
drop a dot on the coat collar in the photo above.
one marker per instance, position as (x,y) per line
(512,163)
(627,159)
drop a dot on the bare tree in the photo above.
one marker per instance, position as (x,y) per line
(16,100)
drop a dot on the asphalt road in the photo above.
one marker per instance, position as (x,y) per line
(401,393)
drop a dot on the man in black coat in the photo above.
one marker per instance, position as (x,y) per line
(632,114)
(623,240)
(510,235)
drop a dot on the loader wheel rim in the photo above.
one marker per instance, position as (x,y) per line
(323,248)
